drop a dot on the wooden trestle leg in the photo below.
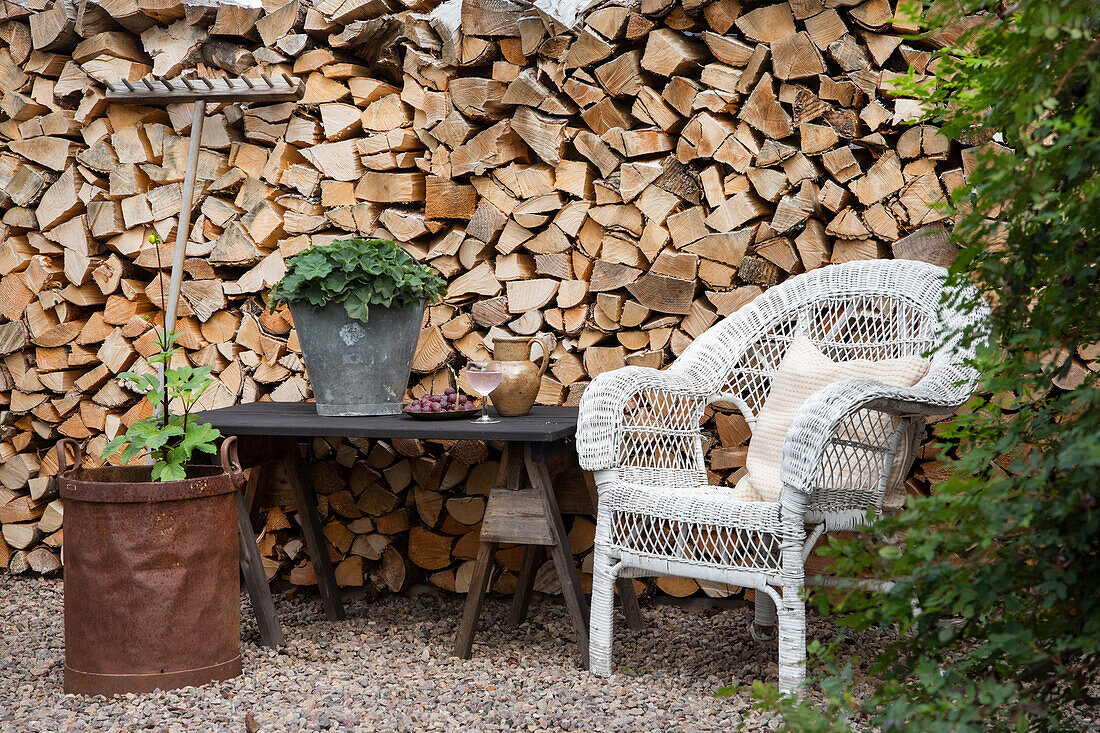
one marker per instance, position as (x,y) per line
(306,498)
(528,516)
(271,631)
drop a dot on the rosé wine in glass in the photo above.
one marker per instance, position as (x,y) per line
(483,382)
(483,377)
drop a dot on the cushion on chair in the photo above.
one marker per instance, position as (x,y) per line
(803,371)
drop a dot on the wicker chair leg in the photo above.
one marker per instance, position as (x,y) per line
(792,641)
(762,628)
(602,619)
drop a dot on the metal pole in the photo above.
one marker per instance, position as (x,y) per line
(185,217)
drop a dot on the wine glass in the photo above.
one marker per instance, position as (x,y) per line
(483,377)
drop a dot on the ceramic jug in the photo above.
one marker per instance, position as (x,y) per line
(522,379)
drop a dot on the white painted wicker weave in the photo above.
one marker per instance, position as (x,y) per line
(640,434)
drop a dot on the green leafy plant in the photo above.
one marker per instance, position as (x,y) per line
(169,439)
(358,273)
(1000,561)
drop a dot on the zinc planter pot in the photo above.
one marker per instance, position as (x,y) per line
(358,368)
(152,580)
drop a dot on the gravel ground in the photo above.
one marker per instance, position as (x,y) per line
(388,667)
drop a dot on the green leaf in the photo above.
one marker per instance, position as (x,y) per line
(199,436)
(113,447)
(357,307)
(169,471)
(889,552)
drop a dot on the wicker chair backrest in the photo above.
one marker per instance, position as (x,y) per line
(877,309)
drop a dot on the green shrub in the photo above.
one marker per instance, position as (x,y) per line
(1003,558)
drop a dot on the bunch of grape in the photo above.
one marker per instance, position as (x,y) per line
(449,401)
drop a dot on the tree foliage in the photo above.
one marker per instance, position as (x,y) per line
(1003,559)
(358,273)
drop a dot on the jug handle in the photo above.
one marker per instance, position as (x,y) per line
(545,353)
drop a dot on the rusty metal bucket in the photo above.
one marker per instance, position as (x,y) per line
(152,583)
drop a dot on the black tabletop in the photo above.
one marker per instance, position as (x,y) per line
(541,425)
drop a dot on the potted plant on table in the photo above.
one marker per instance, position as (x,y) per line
(357,305)
(152,580)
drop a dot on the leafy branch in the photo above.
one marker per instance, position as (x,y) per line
(169,439)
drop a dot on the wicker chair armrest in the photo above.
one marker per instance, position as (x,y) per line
(729,398)
(819,418)
(602,409)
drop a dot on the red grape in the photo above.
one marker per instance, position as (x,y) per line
(450,401)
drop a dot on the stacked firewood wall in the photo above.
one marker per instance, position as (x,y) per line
(614,185)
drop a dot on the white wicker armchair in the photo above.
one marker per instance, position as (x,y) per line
(640,434)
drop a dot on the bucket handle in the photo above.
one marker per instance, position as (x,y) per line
(230,464)
(62,457)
